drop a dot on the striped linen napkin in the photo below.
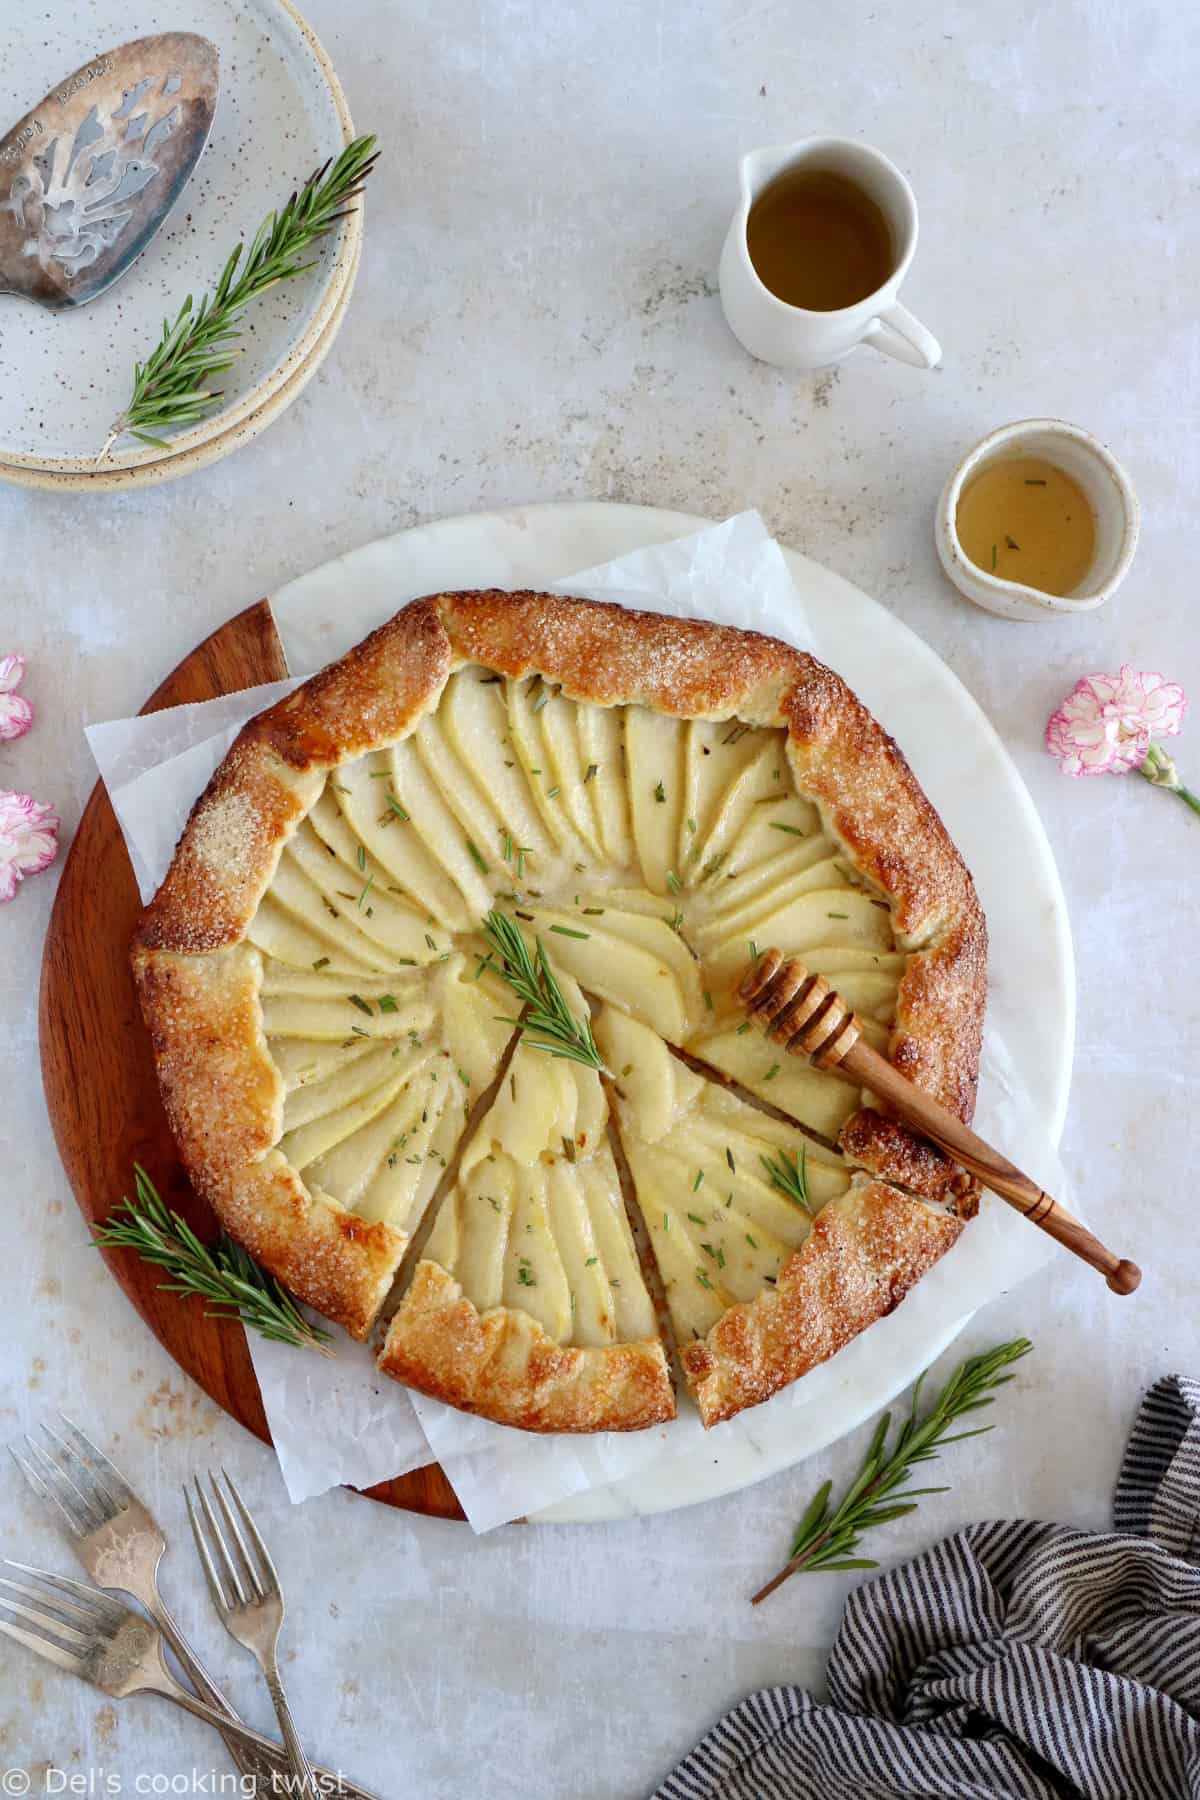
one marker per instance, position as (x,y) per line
(1016,1659)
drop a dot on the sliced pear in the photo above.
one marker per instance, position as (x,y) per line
(396,838)
(423,1127)
(525,701)
(333,934)
(359,894)
(332,1019)
(602,746)
(656,774)
(473,714)
(632,1307)
(353,1078)
(286,939)
(805,876)
(564,762)
(534,1277)
(818,1100)
(632,959)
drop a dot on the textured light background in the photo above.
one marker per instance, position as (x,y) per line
(536,318)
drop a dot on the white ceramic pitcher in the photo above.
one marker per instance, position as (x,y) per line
(791,336)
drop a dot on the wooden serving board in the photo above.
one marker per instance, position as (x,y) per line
(98,1073)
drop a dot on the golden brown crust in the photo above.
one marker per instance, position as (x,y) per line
(224,1099)
(219,1084)
(873,804)
(502,1365)
(872,1141)
(865,1251)
(339,1264)
(230,846)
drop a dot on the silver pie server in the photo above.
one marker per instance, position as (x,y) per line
(89,175)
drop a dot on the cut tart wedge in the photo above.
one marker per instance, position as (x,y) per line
(772,1252)
(528,1303)
(652,799)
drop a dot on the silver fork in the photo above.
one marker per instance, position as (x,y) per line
(115,1649)
(247,1595)
(121,1544)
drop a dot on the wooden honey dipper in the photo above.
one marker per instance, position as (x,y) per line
(804,1014)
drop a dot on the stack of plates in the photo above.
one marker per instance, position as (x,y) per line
(65,376)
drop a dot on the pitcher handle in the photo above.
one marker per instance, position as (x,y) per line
(898,334)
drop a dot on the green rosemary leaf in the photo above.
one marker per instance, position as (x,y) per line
(790,1176)
(547,1023)
(173,387)
(828,1540)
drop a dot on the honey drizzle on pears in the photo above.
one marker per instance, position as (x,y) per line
(385,1018)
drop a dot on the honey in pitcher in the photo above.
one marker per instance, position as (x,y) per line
(818,240)
(1025,519)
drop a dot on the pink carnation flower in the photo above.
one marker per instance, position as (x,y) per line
(16,714)
(1107,722)
(28,839)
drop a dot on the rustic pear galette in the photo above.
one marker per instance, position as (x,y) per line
(441,990)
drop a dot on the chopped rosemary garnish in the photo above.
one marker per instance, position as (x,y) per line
(322,962)
(698,1180)
(590,773)
(477,858)
(673,881)
(396,807)
(792,830)
(568,931)
(223,1274)
(387,1003)
(362,1005)
(790,1176)
(660,792)
(772,1072)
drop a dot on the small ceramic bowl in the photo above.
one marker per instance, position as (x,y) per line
(1109,494)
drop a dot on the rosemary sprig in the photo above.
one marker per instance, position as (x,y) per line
(173,386)
(827,1539)
(225,1275)
(534,983)
(790,1176)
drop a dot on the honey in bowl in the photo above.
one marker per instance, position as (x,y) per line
(1024,519)
(818,240)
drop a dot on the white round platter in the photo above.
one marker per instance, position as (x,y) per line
(966,772)
(281,113)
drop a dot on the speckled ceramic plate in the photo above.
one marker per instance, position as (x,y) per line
(169,468)
(65,376)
